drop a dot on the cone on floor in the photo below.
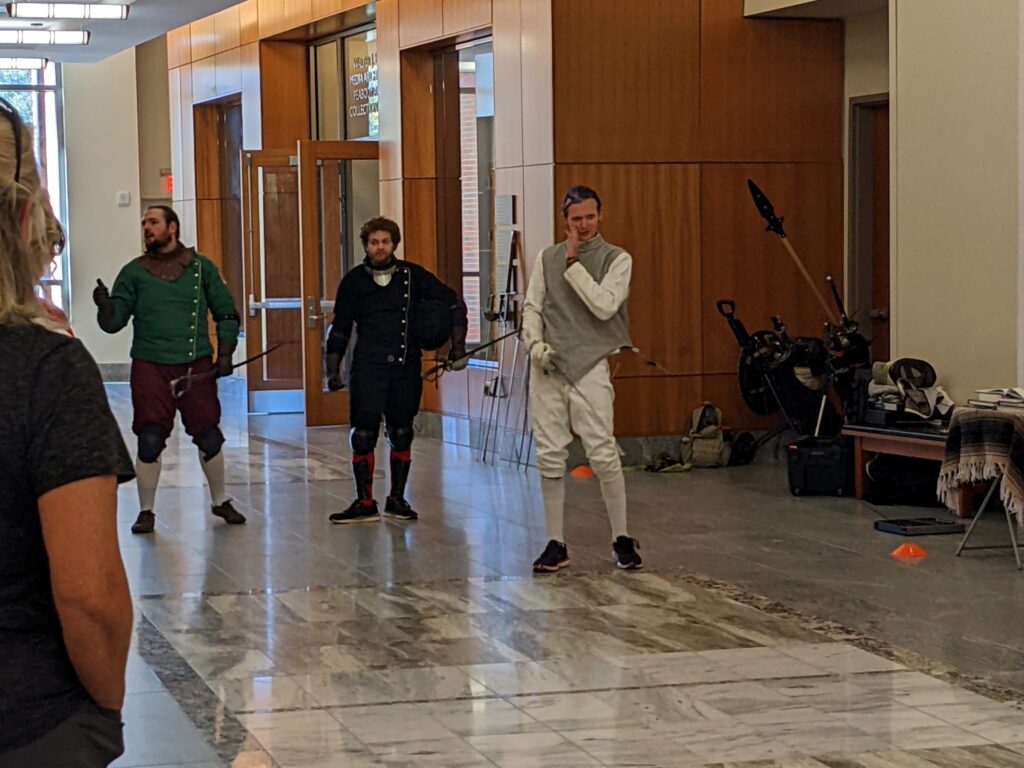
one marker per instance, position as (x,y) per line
(909,551)
(582,472)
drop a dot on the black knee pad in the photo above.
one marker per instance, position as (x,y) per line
(209,442)
(400,438)
(362,440)
(152,441)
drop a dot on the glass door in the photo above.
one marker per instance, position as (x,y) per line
(273,303)
(339,190)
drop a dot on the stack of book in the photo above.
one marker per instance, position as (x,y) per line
(996,399)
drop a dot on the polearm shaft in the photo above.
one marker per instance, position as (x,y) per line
(767,210)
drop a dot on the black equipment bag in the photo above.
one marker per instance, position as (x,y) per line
(821,466)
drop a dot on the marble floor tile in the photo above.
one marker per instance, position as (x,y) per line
(637,746)
(994,721)
(519,678)
(145,714)
(433,684)
(575,711)
(342,689)
(262,694)
(484,717)
(304,739)
(731,742)
(838,658)
(392,723)
(762,663)
(743,698)
(532,750)
(676,668)
(914,689)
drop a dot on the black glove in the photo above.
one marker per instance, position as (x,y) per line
(224,365)
(457,357)
(101,297)
(334,380)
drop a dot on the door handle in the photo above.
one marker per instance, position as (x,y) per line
(268,304)
(314,312)
(879,314)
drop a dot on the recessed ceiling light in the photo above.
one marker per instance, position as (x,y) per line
(19,63)
(43,37)
(66,11)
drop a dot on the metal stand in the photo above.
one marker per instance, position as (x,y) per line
(1010,522)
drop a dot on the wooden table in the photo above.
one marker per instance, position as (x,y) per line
(918,442)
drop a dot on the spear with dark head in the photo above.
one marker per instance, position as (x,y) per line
(767,210)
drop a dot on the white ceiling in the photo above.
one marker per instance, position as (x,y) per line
(146,19)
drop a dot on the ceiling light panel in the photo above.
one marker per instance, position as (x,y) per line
(22,63)
(66,11)
(43,37)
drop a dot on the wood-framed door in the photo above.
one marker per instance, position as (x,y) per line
(339,189)
(273,302)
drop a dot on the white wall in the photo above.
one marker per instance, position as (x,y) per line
(101,132)
(955,89)
(866,73)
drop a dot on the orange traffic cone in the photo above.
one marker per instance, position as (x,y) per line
(909,551)
(582,472)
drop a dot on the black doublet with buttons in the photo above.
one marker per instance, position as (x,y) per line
(385,372)
(383,315)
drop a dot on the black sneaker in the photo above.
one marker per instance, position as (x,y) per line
(555,556)
(145,522)
(626,556)
(357,512)
(228,514)
(399,509)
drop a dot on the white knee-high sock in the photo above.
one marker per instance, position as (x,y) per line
(553,492)
(214,471)
(147,476)
(613,491)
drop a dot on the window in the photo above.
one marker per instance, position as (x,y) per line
(344,73)
(464,90)
(36,95)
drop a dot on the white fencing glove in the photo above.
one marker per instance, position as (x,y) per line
(543,356)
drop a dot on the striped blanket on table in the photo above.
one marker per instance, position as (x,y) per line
(984,445)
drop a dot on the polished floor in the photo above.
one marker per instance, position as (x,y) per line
(766,631)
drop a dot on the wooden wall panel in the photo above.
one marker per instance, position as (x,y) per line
(465,15)
(508,83)
(177,159)
(653,211)
(271,15)
(297,13)
(204,80)
(419,236)
(537,78)
(188,170)
(389,90)
(743,262)
(626,80)
(228,67)
(655,405)
(204,38)
(285,94)
(770,89)
(207,153)
(252,118)
(179,46)
(173,59)
(209,235)
(325,8)
(420,21)
(248,22)
(418,150)
(227,26)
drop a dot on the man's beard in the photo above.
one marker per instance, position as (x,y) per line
(156,245)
